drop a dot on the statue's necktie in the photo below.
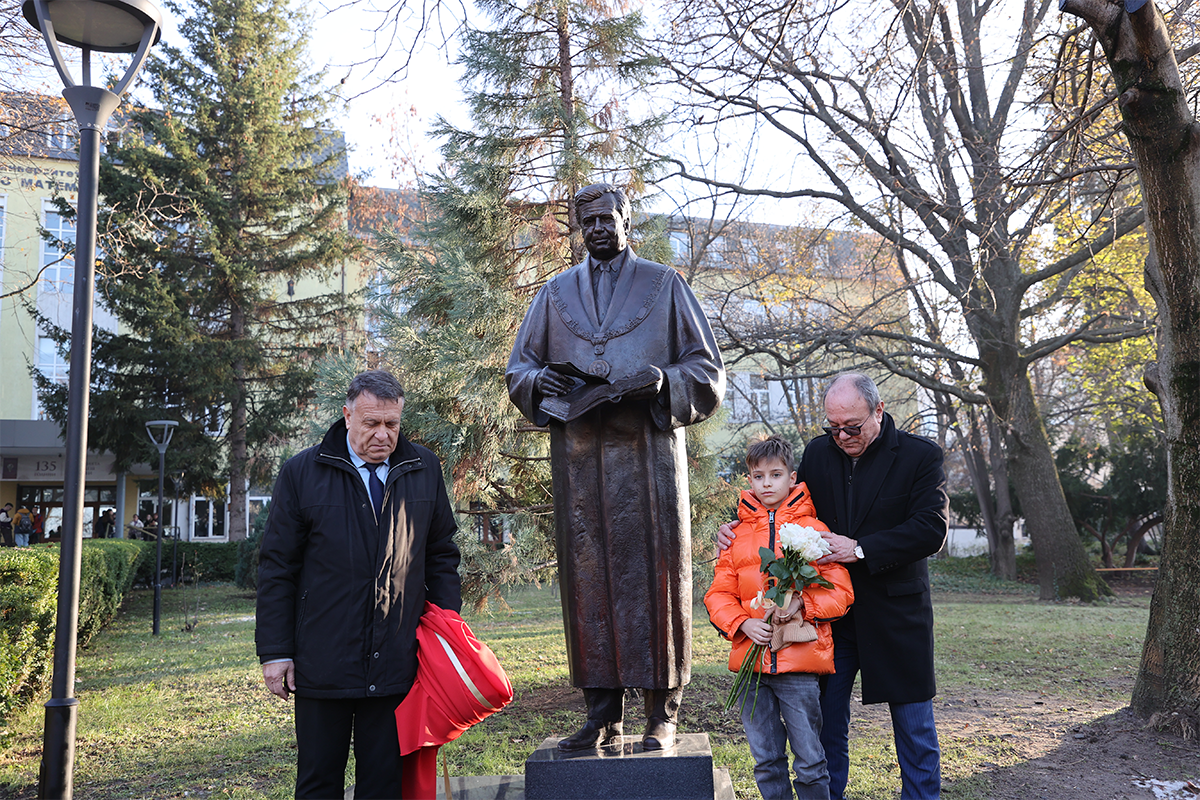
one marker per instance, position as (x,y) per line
(376,487)
(604,288)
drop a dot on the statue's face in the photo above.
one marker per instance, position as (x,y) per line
(605,230)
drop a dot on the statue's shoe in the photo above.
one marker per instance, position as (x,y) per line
(593,734)
(660,735)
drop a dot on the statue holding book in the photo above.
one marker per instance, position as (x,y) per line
(615,356)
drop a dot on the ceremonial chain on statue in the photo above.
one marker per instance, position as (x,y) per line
(600,368)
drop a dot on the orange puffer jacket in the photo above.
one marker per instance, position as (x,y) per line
(739,579)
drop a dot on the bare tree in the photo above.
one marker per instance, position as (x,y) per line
(958,156)
(1163,136)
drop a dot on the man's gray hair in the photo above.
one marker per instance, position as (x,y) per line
(597,190)
(378,382)
(865,387)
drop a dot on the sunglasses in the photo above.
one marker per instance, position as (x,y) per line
(849,430)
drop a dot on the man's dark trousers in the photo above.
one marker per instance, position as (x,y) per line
(912,725)
(323,733)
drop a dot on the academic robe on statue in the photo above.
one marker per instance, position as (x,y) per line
(621,512)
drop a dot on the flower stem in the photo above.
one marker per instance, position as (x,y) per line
(745,676)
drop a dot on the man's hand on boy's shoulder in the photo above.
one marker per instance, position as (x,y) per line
(725,535)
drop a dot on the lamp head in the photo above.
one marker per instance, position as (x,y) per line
(161,431)
(106,26)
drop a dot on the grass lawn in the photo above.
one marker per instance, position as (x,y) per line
(185,714)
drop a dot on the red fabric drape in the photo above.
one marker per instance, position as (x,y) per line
(459,683)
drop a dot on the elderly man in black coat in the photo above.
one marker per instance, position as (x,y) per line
(882,492)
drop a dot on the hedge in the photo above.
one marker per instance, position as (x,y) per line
(212,562)
(28,606)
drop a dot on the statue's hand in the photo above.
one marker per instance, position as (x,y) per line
(649,391)
(551,383)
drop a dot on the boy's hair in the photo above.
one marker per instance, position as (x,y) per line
(770,448)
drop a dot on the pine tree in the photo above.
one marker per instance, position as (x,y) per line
(550,85)
(224,215)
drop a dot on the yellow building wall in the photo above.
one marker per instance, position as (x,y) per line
(26,186)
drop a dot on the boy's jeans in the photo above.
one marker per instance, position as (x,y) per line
(788,709)
(22,540)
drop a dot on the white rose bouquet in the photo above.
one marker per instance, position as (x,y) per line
(786,575)
(793,571)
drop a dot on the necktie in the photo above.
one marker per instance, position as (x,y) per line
(604,289)
(376,487)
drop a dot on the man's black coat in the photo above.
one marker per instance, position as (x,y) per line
(893,501)
(338,592)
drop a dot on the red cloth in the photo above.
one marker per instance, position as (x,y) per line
(442,703)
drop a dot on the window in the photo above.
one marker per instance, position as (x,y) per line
(748,250)
(681,245)
(748,397)
(58,274)
(61,135)
(715,254)
(208,518)
(50,361)
(53,365)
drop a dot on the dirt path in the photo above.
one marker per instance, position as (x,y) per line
(1041,747)
(1032,749)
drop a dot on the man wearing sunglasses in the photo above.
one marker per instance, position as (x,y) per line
(882,492)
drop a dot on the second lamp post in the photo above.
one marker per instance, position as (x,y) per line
(161,431)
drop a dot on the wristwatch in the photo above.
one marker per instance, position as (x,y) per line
(858,553)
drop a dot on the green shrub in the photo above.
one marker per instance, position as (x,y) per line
(108,567)
(246,575)
(211,561)
(28,607)
(28,594)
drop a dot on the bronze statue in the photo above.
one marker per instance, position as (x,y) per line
(615,356)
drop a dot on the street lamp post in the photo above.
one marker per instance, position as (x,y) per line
(161,431)
(109,26)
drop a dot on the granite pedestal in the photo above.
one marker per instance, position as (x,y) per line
(624,772)
(627,772)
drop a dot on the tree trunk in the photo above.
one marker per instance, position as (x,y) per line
(1004,552)
(1135,532)
(993,496)
(984,464)
(1165,142)
(1106,551)
(238,455)
(1062,563)
(566,94)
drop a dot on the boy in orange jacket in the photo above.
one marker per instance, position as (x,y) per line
(781,704)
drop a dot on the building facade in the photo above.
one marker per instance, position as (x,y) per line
(38,175)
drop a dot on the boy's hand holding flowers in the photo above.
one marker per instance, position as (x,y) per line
(757,631)
(795,607)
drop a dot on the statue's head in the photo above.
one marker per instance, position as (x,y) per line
(605,217)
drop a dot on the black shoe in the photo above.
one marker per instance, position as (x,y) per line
(593,734)
(660,735)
